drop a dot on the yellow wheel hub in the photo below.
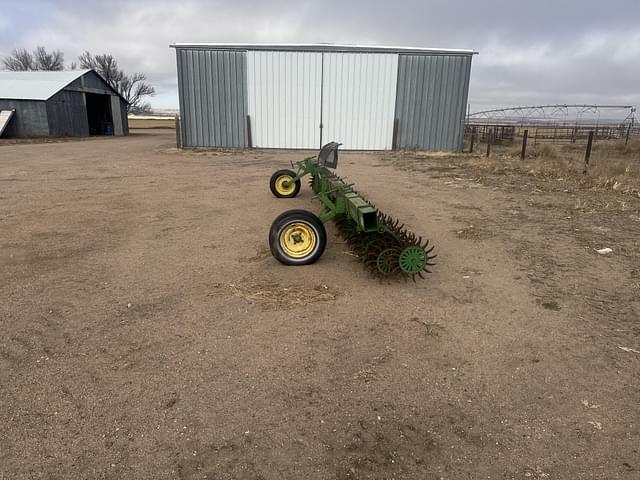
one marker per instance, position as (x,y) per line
(298,240)
(285,185)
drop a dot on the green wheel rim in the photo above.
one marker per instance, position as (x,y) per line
(412,260)
(387,261)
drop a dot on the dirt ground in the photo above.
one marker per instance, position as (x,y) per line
(147,333)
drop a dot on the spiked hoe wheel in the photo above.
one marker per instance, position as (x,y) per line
(298,237)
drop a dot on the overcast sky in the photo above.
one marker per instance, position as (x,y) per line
(541,51)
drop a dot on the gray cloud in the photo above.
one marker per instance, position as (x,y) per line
(534,52)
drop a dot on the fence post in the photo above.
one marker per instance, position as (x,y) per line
(587,154)
(628,133)
(524,144)
(394,135)
(178,133)
(473,139)
(489,139)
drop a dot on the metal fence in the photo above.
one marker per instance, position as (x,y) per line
(579,135)
(562,134)
(495,133)
(558,133)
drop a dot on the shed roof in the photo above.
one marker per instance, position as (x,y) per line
(39,85)
(323,47)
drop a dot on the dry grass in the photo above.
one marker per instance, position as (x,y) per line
(273,296)
(143,122)
(613,165)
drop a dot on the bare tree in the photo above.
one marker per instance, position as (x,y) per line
(132,87)
(48,61)
(22,60)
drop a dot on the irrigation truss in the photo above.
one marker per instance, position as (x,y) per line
(561,115)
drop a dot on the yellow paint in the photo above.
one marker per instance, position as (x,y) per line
(285,185)
(298,240)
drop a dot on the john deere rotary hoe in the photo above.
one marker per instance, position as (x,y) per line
(298,237)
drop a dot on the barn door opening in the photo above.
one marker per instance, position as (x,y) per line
(99,114)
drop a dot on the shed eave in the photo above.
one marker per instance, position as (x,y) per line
(323,47)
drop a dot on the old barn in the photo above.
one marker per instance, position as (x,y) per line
(71,103)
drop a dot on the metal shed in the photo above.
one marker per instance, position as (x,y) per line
(75,103)
(303,95)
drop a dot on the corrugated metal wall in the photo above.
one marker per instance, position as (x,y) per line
(125,119)
(359,95)
(92,81)
(212,93)
(363,96)
(67,115)
(284,98)
(30,119)
(116,115)
(432,100)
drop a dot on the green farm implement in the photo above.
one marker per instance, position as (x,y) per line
(298,237)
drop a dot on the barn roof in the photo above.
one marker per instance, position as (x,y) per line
(323,47)
(39,85)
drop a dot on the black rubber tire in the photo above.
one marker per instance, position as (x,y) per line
(274,178)
(297,216)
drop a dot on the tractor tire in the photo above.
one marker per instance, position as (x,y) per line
(282,186)
(297,237)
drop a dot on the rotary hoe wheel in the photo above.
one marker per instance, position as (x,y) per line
(392,252)
(282,184)
(314,183)
(297,237)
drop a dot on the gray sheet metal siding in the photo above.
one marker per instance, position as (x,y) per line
(30,119)
(431,101)
(67,115)
(124,112)
(212,88)
(116,115)
(92,82)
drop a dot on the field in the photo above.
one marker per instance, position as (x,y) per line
(142,122)
(147,333)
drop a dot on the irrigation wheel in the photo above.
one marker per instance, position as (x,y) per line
(282,184)
(297,237)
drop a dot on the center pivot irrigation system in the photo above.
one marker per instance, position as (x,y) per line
(298,237)
(560,113)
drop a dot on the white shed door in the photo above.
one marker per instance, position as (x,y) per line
(284,98)
(359,99)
